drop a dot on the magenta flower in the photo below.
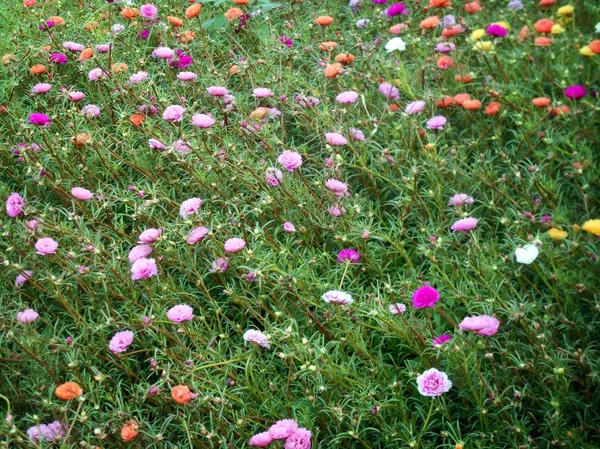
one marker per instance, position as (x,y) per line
(203,120)
(143,268)
(174,113)
(465,224)
(290,160)
(288,42)
(180,313)
(39,119)
(139,252)
(27,316)
(335,139)
(460,199)
(389,91)
(348,255)
(14,204)
(433,383)
(197,235)
(58,58)
(497,30)
(150,235)
(189,207)
(262,439)
(182,61)
(397,309)
(396,9)
(576,92)
(347,97)
(257,337)
(81,194)
(425,296)
(234,245)
(121,341)
(337,297)
(300,439)
(436,122)
(46,246)
(283,429)
(482,324)
(23,277)
(439,341)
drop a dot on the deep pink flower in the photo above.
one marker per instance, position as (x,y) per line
(395,9)
(81,194)
(433,383)
(425,296)
(121,341)
(46,246)
(58,58)
(40,119)
(180,313)
(197,235)
(290,160)
(439,341)
(234,245)
(139,252)
(300,439)
(575,92)
(143,268)
(283,429)
(14,204)
(189,207)
(464,225)
(262,439)
(482,324)
(348,255)
(27,316)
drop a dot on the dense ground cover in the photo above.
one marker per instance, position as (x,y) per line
(377,220)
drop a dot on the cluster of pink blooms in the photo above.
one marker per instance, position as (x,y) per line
(286,429)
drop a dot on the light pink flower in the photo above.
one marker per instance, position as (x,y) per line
(73,46)
(262,92)
(75,96)
(433,383)
(217,91)
(121,341)
(356,134)
(300,439)
(347,97)
(197,235)
(180,313)
(460,199)
(46,246)
(415,107)
(482,324)
(27,316)
(189,207)
(257,337)
(335,139)
(138,77)
(187,76)
(81,194)
(283,429)
(203,120)
(14,204)
(436,122)
(139,252)
(32,224)
(150,235)
(289,227)
(23,277)
(337,297)
(143,268)
(163,52)
(290,160)
(148,11)
(262,439)
(174,113)
(338,187)
(336,211)
(156,144)
(234,245)
(42,88)
(97,74)
(397,309)
(464,225)
(389,91)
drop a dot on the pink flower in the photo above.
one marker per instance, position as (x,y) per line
(575,92)
(42,88)
(460,199)
(81,194)
(439,341)
(150,235)
(27,316)
(290,160)
(39,119)
(14,204)
(257,337)
(433,383)
(356,134)
(262,92)
(283,429)
(348,255)
(336,211)
(397,309)
(174,113)
(143,268)
(189,207)
(219,265)
(163,52)
(121,341)
(273,176)
(187,76)
(217,91)
(337,297)
(262,439)
(347,97)
(389,91)
(73,46)
(46,246)
(139,252)
(197,235)
(148,11)
(203,120)
(425,296)
(138,77)
(156,144)
(90,110)
(335,139)
(338,187)
(75,96)
(23,277)
(32,224)
(464,225)
(436,122)
(289,227)
(97,74)
(482,324)
(180,313)
(300,439)
(234,245)
(415,107)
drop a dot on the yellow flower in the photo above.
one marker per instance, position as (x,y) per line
(484,45)
(566,10)
(503,24)
(587,51)
(557,29)
(557,234)
(592,226)
(477,34)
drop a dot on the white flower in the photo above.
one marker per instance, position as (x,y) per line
(527,254)
(598,27)
(395,44)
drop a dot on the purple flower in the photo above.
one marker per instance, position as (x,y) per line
(439,341)
(425,296)
(39,119)
(121,341)
(433,383)
(497,30)
(348,255)
(436,122)
(396,9)
(575,92)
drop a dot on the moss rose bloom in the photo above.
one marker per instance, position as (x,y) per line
(433,383)
(425,296)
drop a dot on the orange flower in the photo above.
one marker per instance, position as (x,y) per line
(452,31)
(345,58)
(37,69)
(328,46)
(595,46)
(130,430)
(68,390)
(472,8)
(175,21)
(324,20)
(333,70)
(493,108)
(439,3)
(193,10)
(259,113)
(559,110)
(241,2)
(465,79)
(394,107)
(79,140)
(523,33)
(58,20)
(187,36)
(445,102)
(119,67)
(543,41)
(233,69)
(471,105)
(91,26)
(546,2)
(86,54)
(181,394)
(233,13)
(29,3)
(136,119)
(461,98)
(9,57)
(541,102)
(130,13)
(430,22)
(543,25)
(445,62)
(46,48)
